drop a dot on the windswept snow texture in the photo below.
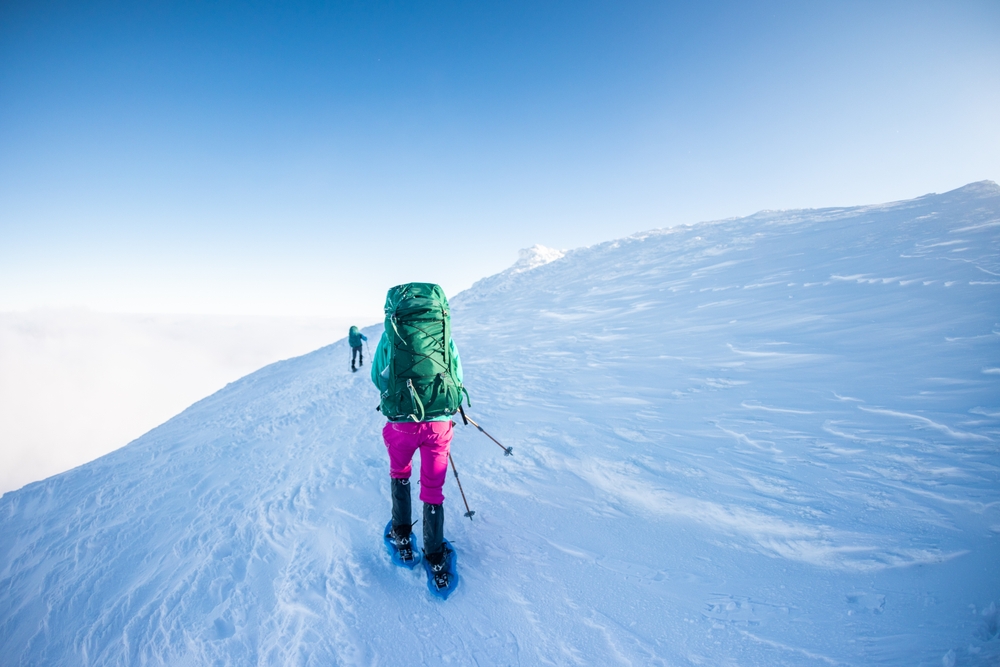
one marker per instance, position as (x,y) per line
(771,440)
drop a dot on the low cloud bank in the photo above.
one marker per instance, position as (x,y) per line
(75,384)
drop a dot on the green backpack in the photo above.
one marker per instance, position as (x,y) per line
(418,328)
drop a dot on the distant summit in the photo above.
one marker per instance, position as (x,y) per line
(528,259)
(979,188)
(533,257)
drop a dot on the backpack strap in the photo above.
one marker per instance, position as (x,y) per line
(416,402)
(392,321)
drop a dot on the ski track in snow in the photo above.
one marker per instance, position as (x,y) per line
(771,440)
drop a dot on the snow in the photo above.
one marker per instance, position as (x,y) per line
(770,440)
(533,257)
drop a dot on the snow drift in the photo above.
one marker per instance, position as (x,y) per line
(770,440)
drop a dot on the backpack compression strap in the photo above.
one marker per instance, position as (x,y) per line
(416,402)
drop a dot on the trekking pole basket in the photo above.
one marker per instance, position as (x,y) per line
(507,451)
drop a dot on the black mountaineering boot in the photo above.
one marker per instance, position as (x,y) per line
(433,531)
(401,504)
(438,556)
(402,538)
(402,528)
(439,570)
(435,548)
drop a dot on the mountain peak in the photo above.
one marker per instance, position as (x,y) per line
(979,188)
(535,256)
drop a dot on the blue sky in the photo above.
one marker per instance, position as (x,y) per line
(300,158)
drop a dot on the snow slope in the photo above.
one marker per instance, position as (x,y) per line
(771,440)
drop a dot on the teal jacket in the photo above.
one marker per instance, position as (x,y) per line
(354,337)
(380,368)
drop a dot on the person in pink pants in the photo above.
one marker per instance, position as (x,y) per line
(403,439)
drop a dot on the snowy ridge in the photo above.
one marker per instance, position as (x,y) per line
(533,257)
(770,440)
(528,259)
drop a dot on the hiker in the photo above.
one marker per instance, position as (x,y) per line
(354,339)
(419,376)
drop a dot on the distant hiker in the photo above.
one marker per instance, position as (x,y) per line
(354,339)
(419,375)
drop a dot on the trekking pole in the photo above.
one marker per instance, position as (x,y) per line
(507,451)
(468,512)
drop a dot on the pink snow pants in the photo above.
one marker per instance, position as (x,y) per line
(433,439)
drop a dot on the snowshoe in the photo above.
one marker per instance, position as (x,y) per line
(442,577)
(400,549)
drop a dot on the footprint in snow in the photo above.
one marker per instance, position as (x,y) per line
(867,602)
(742,610)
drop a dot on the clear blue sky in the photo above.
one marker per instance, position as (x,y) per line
(300,158)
